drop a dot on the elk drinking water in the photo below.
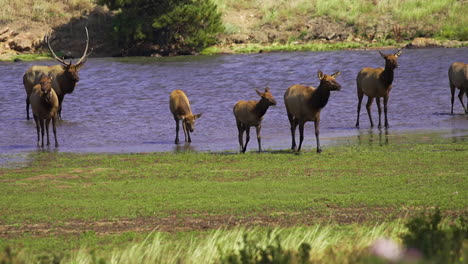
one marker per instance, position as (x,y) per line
(44,104)
(180,109)
(304,103)
(250,113)
(458,78)
(64,77)
(376,83)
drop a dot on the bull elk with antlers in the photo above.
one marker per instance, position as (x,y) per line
(64,76)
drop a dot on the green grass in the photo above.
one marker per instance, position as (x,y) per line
(366,183)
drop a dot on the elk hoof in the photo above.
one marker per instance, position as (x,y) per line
(319,150)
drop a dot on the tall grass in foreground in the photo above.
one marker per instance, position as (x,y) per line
(329,244)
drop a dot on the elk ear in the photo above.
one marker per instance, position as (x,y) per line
(197,116)
(320,75)
(267,89)
(259,93)
(398,53)
(381,54)
(336,74)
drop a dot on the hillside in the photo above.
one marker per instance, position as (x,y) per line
(23,24)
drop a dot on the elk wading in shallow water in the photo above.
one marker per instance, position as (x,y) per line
(376,83)
(458,78)
(64,77)
(304,103)
(44,104)
(250,113)
(180,109)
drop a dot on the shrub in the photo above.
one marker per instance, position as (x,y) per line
(436,243)
(252,253)
(142,27)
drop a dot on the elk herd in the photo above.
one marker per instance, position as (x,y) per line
(46,87)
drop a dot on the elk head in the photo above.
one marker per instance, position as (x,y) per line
(391,59)
(267,96)
(328,81)
(70,69)
(46,84)
(188,121)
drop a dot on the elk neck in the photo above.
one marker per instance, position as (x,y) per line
(66,84)
(47,100)
(319,98)
(261,107)
(387,75)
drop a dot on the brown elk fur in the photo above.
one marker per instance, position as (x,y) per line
(376,83)
(304,103)
(458,78)
(250,113)
(44,104)
(180,109)
(64,76)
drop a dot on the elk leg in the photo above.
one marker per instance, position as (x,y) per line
(317,129)
(293,124)
(452,90)
(27,107)
(360,95)
(460,96)
(36,120)
(47,122)
(247,138)
(301,135)
(385,102)
(177,131)
(41,122)
(184,128)
(368,107)
(377,99)
(241,130)
(54,128)
(59,111)
(259,139)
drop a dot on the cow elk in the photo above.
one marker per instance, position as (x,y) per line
(458,78)
(250,113)
(376,83)
(180,109)
(304,103)
(44,104)
(64,76)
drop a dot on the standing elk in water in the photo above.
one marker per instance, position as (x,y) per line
(304,103)
(458,78)
(180,109)
(376,83)
(250,113)
(44,104)
(64,76)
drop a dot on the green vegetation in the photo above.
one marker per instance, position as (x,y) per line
(410,18)
(176,26)
(151,206)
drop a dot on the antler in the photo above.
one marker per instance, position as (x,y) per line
(84,57)
(53,53)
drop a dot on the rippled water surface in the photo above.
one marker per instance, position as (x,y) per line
(122,104)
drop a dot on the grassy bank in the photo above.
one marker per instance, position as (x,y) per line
(56,203)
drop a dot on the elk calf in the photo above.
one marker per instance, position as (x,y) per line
(180,109)
(458,78)
(376,83)
(304,103)
(250,113)
(44,104)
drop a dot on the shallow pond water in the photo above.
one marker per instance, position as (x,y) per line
(122,104)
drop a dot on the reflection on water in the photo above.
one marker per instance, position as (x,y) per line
(372,136)
(122,104)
